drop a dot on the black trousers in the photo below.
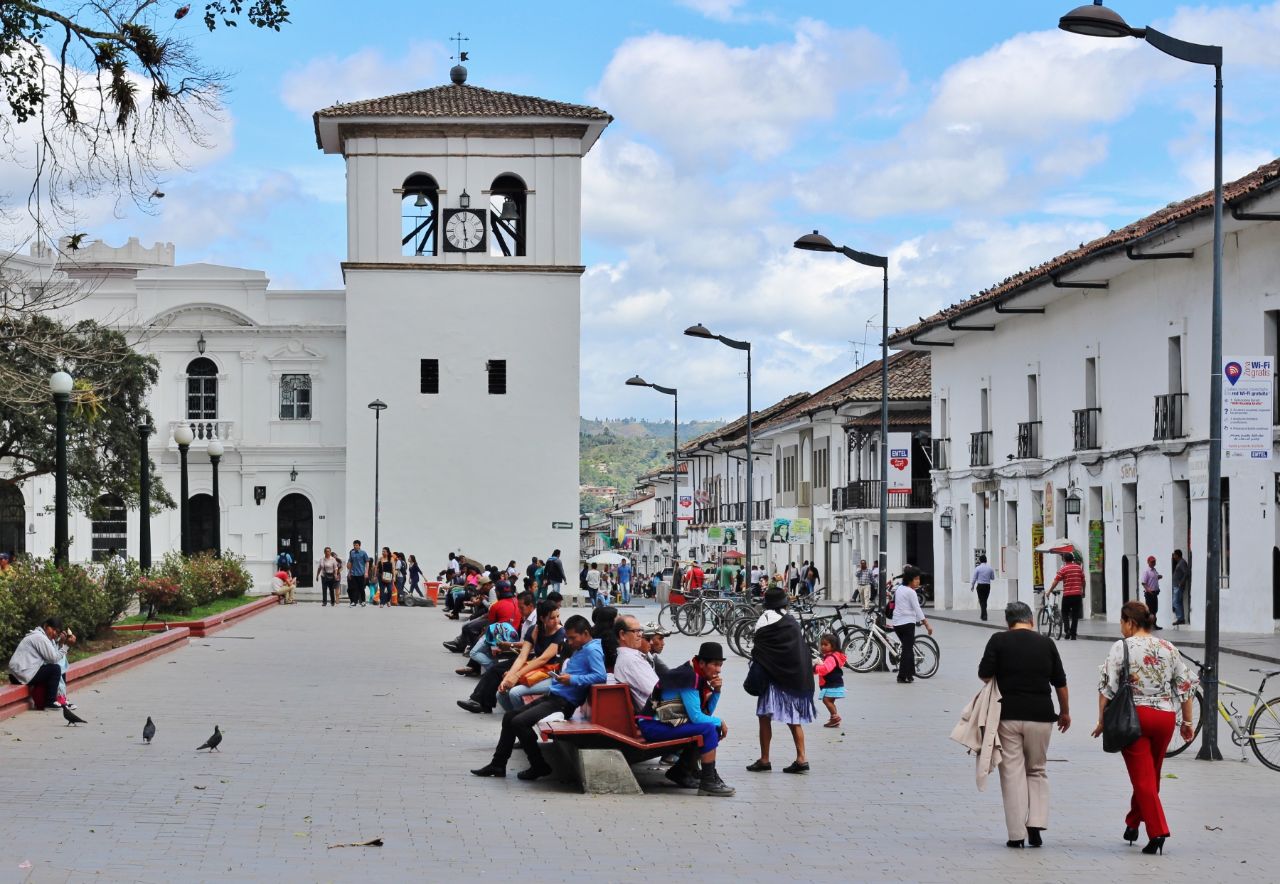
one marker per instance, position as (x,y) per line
(470,634)
(47,677)
(486,691)
(328,591)
(1072,611)
(355,589)
(1153,601)
(984,592)
(518,725)
(907,636)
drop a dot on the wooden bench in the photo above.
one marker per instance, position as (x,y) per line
(609,742)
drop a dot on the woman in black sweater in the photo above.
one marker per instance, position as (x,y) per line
(1025,665)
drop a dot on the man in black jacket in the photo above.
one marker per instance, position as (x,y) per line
(553,573)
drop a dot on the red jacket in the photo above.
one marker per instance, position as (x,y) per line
(506,609)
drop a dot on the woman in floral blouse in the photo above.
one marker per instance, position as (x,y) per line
(1160,681)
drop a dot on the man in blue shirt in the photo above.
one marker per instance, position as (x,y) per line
(568,691)
(357,573)
(624,581)
(983,576)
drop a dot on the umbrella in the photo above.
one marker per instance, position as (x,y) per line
(605,558)
(1058,546)
(731,554)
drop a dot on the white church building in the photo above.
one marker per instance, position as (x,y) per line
(463,262)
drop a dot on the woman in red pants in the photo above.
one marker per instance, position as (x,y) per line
(1160,681)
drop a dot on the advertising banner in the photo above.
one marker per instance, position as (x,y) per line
(1247,408)
(781,531)
(899,463)
(801,530)
(715,534)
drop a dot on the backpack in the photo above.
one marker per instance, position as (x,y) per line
(284,560)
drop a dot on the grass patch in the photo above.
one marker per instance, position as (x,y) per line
(106,641)
(217,606)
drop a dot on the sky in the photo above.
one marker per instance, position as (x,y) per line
(964,147)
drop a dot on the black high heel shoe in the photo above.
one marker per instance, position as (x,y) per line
(1033,837)
(1018,843)
(1155,845)
(1130,834)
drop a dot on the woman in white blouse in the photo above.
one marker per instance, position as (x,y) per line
(906,614)
(1160,680)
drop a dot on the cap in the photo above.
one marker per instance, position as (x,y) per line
(711,652)
(655,629)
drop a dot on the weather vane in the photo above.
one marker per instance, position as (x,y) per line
(459,39)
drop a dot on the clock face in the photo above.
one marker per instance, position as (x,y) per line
(464,230)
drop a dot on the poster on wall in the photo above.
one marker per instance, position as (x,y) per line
(781,531)
(801,530)
(1247,408)
(1037,561)
(715,534)
(899,463)
(1096,545)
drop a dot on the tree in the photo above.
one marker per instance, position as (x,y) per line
(107,406)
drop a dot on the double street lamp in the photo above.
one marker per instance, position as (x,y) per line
(60,384)
(637,381)
(1099,21)
(701,331)
(816,242)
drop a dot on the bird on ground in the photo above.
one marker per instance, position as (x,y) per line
(148,730)
(212,742)
(71,717)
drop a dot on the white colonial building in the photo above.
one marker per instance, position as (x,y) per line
(461,302)
(1071,401)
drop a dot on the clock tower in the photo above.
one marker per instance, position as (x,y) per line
(462,312)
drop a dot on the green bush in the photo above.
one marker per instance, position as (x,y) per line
(202,578)
(87,599)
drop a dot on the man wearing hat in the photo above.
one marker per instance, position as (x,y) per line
(684,705)
(654,641)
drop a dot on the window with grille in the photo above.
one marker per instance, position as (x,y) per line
(108,527)
(497,377)
(295,397)
(202,390)
(429,370)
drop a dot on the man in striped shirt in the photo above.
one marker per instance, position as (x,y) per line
(1071,576)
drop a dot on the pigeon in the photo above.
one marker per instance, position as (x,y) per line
(212,742)
(71,717)
(148,730)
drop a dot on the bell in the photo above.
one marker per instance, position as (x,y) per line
(421,201)
(510,211)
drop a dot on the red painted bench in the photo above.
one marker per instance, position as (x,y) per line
(612,725)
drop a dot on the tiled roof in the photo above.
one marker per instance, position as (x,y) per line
(659,472)
(738,428)
(909,379)
(912,418)
(1263,178)
(462,101)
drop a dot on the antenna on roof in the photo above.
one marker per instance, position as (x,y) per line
(458,73)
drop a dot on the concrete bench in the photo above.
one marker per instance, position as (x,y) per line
(602,749)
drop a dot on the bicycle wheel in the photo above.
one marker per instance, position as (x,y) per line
(1264,733)
(745,634)
(731,637)
(693,619)
(1176,745)
(927,656)
(667,616)
(1055,624)
(1044,620)
(863,651)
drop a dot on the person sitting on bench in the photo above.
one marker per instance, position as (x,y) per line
(683,705)
(37,661)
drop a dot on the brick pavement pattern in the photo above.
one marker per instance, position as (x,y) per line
(340,725)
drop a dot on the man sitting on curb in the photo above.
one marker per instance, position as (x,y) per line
(37,661)
(282,586)
(683,706)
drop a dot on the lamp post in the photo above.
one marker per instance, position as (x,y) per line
(183,436)
(60,384)
(215,457)
(637,381)
(378,407)
(144,496)
(816,242)
(1099,21)
(701,331)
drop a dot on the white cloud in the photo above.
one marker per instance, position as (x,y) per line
(366,73)
(716,10)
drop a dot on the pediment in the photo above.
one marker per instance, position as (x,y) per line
(201,316)
(295,351)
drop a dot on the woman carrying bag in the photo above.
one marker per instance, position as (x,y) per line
(781,676)
(1158,679)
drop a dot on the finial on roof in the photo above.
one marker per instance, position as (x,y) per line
(458,73)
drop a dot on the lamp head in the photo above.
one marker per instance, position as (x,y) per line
(814,242)
(200,344)
(377,405)
(638,381)
(293,473)
(1095,20)
(215,448)
(183,435)
(464,201)
(61,383)
(699,331)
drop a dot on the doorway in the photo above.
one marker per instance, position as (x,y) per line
(293,535)
(1129,517)
(203,512)
(13,520)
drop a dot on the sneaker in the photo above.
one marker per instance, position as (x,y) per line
(714,787)
(65,705)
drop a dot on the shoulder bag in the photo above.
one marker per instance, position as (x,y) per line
(1120,726)
(756,682)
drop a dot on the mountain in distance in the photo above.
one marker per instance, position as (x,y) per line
(630,428)
(615,452)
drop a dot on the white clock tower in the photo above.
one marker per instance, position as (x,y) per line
(462,308)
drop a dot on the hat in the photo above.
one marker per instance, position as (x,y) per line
(711,652)
(775,599)
(502,587)
(655,629)
(484,578)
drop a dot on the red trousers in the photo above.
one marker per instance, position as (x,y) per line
(1144,758)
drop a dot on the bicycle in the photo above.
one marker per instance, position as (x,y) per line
(868,647)
(708,613)
(1262,733)
(1049,615)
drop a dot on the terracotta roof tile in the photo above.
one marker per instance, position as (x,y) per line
(913,418)
(1263,178)
(462,101)
(909,379)
(738,428)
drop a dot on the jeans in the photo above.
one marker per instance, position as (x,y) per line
(907,665)
(519,724)
(1179,604)
(624,587)
(514,699)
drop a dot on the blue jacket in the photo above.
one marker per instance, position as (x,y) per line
(584,668)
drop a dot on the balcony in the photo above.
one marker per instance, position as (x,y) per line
(204,431)
(941,454)
(980,449)
(864,494)
(1029,440)
(1168,416)
(1084,429)
(706,515)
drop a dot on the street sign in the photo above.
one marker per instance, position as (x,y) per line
(1246,408)
(566,525)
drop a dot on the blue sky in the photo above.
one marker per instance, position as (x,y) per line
(965,147)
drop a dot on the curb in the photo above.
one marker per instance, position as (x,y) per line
(995,627)
(207,625)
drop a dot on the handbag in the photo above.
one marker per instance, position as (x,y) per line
(671,712)
(1120,725)
(535,676)
(755,683)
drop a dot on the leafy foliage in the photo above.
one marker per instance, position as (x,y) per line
(86,598)
(617,453)
(202,578)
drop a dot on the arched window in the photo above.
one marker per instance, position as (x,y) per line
(508,206)
(420,211)
(202,390)
(108,527)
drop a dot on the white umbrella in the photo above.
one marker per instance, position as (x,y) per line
(1058,546)
(605,558)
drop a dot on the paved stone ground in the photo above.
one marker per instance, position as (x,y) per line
(340,726)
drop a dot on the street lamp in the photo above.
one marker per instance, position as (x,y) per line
(378,407)
(637,381)
(816,242)
(701,331)
(60,384)
(1099,21)
(184,437)
(215,457)
(144,496)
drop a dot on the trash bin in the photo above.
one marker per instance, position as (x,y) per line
(433,591)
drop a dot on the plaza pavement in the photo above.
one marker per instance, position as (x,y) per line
(340,726)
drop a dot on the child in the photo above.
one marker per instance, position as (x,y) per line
(830,672)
